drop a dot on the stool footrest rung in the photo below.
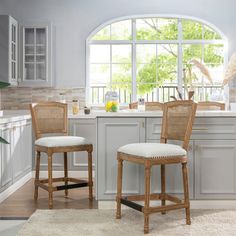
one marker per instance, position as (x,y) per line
(131,204)
(69,186)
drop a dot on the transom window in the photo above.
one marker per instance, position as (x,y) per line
(151,57)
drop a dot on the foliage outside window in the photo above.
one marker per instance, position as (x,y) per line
(150,57)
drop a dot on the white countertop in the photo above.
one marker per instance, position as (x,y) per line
(135,113)
(14,115)
(17,115)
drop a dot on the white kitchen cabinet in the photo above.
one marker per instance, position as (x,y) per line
(8,49)
(36,55)
(6,159)
(15,157)
(21,137)
(215,157)
(86,128)
(215,169)
(112,134)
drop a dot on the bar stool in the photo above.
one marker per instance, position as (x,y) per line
(177,124)
(51,118)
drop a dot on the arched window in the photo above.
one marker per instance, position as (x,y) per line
(150,57)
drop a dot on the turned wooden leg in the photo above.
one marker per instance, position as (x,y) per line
(147,196)
(66,172)
(90,175)
(119,187)
(163,186)
(50,190)
(186,192)
(37,167)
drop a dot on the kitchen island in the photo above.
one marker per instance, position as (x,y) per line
(212,152)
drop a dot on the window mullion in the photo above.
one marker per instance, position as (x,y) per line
(157,89)
(180,57)
(110,66)
(134,64)
(203,89)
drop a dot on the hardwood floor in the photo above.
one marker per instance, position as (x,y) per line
(22,204)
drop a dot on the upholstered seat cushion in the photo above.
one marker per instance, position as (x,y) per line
(152,150)
(61,141)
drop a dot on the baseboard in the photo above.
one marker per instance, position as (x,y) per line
(73,173)
(6,193)
(194,204)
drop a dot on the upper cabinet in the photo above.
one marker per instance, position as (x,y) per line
(27,61)
(8,49)
(36,55)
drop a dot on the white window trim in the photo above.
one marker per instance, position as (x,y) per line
(179,43)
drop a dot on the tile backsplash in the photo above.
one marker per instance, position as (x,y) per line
(20,98)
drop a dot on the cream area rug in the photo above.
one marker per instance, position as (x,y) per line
(103,223)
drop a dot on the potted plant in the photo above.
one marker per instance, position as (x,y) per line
(3,85)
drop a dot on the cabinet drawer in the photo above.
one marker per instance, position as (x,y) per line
(153,128)
(214,128)
(203,128)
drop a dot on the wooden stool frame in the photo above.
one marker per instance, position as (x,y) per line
(166,134)
(47,124)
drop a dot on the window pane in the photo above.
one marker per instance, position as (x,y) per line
(124,92)
(214,60)
(146,53)
(121,53)
(121,30)
(167,55)
(147,91)
(97,94)
(146,29)
(99,74)
(146,65)
(214,53)
(167,91)
(157,28)
(103,34)
(191,29)
(191,51)
(167,29)
(190,73)
(216,71)
(146,73)
(100,53)
(121,73)
(209,33)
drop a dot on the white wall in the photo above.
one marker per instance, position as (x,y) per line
(73,21)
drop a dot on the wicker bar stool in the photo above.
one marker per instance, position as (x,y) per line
(149,106)
(177,124)
(51,118)
(211,106)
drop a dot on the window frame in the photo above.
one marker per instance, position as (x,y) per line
(179,42)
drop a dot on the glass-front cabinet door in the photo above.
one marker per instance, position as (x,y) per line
(36,56)
(13,36)
(8,50)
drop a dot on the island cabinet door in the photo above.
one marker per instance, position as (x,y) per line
(84,128)
(215,169)
(174,178)
(112,134)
